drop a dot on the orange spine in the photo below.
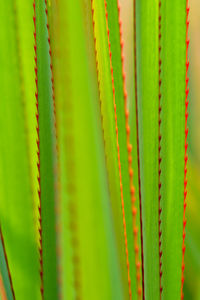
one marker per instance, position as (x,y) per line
(138,151)
(119,163)
(129,148)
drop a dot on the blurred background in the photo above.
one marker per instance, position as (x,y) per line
(192,256)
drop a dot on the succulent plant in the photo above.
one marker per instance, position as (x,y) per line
(93,177)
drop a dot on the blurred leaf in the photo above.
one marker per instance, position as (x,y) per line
(5,280)
(16,205)
(88,238)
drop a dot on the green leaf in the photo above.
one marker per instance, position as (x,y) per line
(47,154)
(147,94)
(173,56)
(134,134)
(109,129)
(88,238)
(16,205)
(25,38)
(116,42)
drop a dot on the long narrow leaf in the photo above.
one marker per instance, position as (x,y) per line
(16,205)
(47,154)
(173,56)
(147,99)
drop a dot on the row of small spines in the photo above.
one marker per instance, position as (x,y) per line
(186,146)
(56,167)
(38,156)
(123,213)
(129,149)
(159,147)
(72,223)
(137,136)
(185,155)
